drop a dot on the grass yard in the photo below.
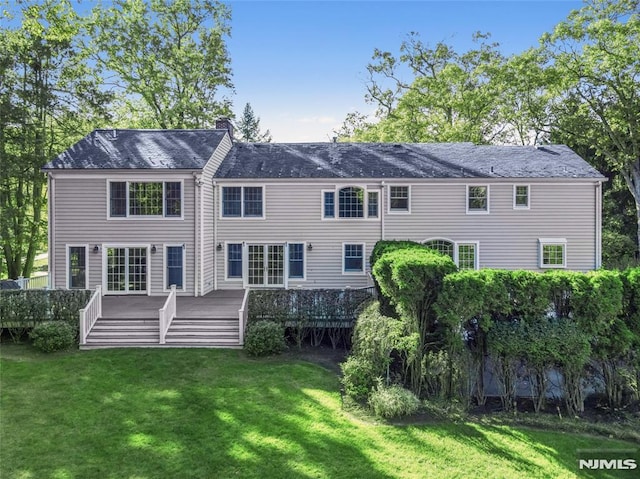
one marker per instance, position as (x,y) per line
(176,413)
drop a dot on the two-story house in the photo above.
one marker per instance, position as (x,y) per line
(137,211)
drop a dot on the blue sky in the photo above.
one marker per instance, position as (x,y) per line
(302,64)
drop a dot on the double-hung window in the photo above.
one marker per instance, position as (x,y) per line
(296,260)
(465,255)
(477,199)
(353,258)
(242,202)
(234,260)
(399,199)
(145,199)
(521,197)
(351,202)
(77,267)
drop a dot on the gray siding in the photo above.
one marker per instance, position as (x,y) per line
(507,237)
(209,234)
(80,209)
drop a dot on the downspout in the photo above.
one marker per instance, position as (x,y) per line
(598,249)
(201,253)
(51,233)
(196,236)
(215,238)
(382,209)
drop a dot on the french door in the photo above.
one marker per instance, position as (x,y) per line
(126,270)
(265,265)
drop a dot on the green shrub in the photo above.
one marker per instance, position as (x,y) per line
(264,338)
(53,336)
(359,377)
(393,401)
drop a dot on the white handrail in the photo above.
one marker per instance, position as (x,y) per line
(90,314)
(167,313)
(243,315)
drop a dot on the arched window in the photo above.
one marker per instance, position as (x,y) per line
(442,246)
(351,202)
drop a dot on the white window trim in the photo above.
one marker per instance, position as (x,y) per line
(245,263)
(164,266)
(86,263)
(242,217)
(226,261)
(456,253)
(322,216)
(519,207)
(477,212)
(128,217)
(552,242)
(364,259)
(455,248)
(304,260)
(336,203)
(396,211)
(104,247)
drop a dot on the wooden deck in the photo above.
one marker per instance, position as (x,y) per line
(209,321)
(215,305)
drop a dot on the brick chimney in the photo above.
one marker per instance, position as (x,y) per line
(225,124)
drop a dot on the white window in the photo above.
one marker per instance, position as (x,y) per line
(242,202)
(77,267)
(521,197)
(353,258)
(464,254)
(399,199)
(234,261)
(145,199)
(174,272)
(477,199)
(350,202)
(553,252)
(296,261)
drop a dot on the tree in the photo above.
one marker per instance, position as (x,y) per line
(48,98)
(170,54)
(450,96)
(248,128)
(595,54)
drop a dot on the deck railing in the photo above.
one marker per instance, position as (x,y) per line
(167,313)
(90,314)
(243,315)
(35,282)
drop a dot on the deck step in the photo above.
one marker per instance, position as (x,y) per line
(203,333)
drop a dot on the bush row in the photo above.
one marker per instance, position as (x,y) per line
(310,314)
(22,310)
(451,328)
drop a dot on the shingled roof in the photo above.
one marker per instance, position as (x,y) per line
(405,160)
(140,149)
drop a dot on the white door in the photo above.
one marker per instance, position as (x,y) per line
(126,270)
(265,265)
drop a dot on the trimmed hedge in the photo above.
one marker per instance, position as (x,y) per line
(264,338)
(21,310)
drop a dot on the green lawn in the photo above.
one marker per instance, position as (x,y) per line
(175,413)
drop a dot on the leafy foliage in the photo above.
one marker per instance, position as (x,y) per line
(359,377)
(393,401)
(264,338)
(168,56)
(51,336)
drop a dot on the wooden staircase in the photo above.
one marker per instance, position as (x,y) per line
(204,322)
(183,333)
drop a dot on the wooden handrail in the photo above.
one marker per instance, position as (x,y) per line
(167,313)
(243,314)
(90,314)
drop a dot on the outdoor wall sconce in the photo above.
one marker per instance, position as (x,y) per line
(309,247)
(96,249)
(153,249)
(219,246)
